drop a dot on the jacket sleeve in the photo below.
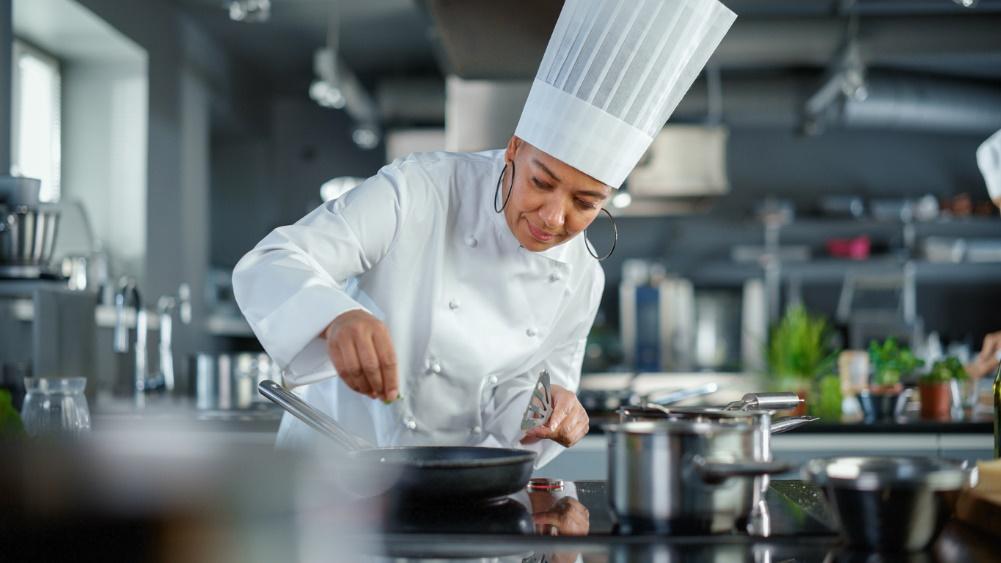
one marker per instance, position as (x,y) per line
(299,278)
(563,365)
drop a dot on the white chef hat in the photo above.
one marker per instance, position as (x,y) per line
(613,72)
(989,161)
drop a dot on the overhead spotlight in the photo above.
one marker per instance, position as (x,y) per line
(966,3)
(621,199)
(366,137)
(249,11)
(326,94)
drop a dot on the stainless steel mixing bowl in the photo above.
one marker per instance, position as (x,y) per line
(891,504)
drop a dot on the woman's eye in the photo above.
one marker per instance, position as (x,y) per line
(585,205)
(541,185)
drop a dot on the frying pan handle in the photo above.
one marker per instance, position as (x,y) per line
(317,420)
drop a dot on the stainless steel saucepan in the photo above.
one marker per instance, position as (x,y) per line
(682,476)
(427,472)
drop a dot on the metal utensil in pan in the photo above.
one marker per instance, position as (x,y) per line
(433,472)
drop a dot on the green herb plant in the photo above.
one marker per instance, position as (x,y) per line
(10,421)
(944,371)
(799,347)
(891,361)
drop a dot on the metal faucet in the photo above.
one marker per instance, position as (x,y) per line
(165,308)
(129,292)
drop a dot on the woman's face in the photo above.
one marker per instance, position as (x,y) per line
(551,201)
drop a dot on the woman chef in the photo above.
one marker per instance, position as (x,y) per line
(446,283)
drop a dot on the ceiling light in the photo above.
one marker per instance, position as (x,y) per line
(621,199)
(966,3)
(326,95)
(249,11)
(366,137)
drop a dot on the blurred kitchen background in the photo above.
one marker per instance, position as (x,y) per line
(823,166)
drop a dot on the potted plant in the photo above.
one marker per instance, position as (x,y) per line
(890,363)
(799,352)
(935,388)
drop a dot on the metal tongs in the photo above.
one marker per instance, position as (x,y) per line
(540,406)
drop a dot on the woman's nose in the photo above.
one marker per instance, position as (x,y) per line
(552,214)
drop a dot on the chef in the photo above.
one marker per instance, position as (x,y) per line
(421,307)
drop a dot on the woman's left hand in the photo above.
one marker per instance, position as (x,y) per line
(568,424)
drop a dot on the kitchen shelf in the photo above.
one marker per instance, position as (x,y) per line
(833,271)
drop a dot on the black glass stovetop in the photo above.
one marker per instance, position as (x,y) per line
(580,509)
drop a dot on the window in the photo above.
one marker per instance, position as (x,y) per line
(36,139)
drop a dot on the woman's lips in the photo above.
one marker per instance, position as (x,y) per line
(538,234)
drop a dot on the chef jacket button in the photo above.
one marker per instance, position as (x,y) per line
(435,367)
(554,277)
(471,241)
(410,423)
(453,304)
(531,332)
(477,429)
(493,380)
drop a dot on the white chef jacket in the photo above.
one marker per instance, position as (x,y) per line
(473,316)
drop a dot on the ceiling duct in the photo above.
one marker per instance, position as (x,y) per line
(488,40)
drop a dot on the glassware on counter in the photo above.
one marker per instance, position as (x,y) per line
(55,406)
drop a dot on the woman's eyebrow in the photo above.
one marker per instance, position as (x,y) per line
(545,169)
(597,195)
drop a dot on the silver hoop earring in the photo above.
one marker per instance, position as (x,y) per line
(497,189)
(615,240)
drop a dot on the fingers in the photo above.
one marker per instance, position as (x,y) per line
(992,344)
(387,364)
(362,352)
(347,365)
(368,362)
(568,424)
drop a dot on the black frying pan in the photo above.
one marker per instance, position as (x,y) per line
(439,472)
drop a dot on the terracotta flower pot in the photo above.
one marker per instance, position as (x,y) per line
(936,400)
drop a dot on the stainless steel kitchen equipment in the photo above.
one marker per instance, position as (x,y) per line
(766,401)
(599,401)
(738,412)
(431,472)
(27,229)
(227,381)
(891,503)
(540,406)
(683,476)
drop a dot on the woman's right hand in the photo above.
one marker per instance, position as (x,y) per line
(362,353)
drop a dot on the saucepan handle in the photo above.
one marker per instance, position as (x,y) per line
(790,422)
(766,402)
(715,471)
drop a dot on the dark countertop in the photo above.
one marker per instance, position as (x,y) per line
(904,426)
(803,530)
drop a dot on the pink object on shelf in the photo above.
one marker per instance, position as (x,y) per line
(854,248)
